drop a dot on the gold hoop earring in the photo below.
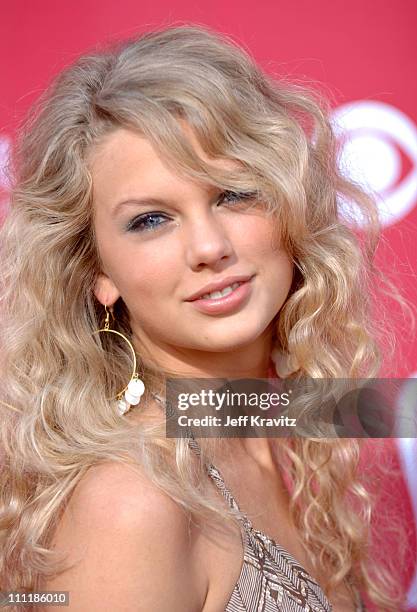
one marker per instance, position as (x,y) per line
(132,393)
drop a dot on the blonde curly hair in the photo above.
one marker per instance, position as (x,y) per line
(56,419)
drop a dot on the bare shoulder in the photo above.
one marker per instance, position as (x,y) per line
(119,491)
(128,544)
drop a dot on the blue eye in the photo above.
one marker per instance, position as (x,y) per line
(145,222)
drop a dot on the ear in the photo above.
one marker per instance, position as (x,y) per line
(105,290)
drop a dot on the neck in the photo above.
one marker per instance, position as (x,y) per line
(253,361)
(236,451)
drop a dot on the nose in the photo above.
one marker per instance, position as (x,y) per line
(207,241)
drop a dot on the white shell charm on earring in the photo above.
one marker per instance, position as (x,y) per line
(135,390)
(122,406)
(132,396)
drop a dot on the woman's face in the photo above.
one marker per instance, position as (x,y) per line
(162,238)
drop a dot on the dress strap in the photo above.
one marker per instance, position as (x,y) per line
(218,480)
(215,475)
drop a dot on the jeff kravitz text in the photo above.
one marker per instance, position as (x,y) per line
(241,421)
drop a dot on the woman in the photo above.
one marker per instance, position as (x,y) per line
(149,177)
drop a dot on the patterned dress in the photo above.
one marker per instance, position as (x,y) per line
(271,579)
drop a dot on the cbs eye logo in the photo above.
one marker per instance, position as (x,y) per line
(378,150)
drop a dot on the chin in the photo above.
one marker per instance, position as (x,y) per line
(228,343)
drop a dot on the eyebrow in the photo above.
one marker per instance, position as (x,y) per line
(137,202)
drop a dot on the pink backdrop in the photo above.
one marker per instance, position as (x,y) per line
(361,54)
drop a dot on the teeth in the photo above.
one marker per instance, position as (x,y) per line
(219,294)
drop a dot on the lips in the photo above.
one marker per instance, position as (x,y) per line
(226,305)
(218,286)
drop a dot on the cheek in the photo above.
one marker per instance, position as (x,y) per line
(149,272)
(280,271)
(258,236)
(261,241)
